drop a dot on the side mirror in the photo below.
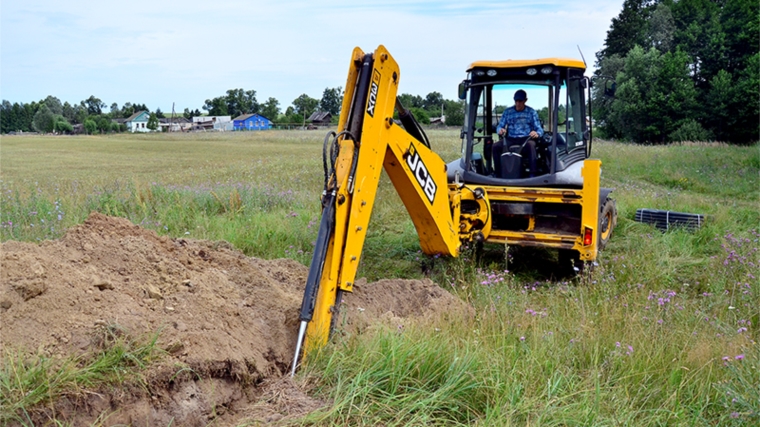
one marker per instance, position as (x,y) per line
(462,90)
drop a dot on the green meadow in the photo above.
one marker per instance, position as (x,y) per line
(663,331)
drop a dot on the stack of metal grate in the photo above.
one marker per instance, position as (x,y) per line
(666,220)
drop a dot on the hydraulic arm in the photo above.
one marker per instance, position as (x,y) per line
(369,140)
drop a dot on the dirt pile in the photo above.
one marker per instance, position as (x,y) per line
(229,319)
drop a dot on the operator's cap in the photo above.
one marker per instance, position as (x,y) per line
(520,95)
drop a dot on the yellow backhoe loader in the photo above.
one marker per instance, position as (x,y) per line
(554,202)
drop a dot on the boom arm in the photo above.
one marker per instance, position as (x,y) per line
(368,140)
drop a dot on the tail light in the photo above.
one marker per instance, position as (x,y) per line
(587,236)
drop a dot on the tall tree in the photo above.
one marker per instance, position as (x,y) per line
(433,103)
(655,95)
(216,106)
(68,112)
(410,101)
(54,104)
(305,105)
(127,110)
(30,110)
(80,114)
(271,109)
(43,120)
(93,105)
(716,39)
(241,101)
(6,115)
(698,32)
(627,29)
(661,28)
(331,100)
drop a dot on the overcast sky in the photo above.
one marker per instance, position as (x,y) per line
(162,52)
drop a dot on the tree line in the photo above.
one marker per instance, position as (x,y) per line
(239,101)
(51,115)
(680,70)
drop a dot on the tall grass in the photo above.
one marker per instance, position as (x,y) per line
(663,332)
(33,383)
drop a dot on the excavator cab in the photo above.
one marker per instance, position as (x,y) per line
(557,90)
(556,201)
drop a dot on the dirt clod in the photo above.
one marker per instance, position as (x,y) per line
(226,322)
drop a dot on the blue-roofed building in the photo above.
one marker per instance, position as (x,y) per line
(251,122)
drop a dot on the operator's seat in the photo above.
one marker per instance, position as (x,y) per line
(511,161)
(512,158)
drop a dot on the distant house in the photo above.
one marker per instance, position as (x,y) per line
(138,122)
(211,123)
(251,122)
(176,124)
(320,118)
(438,121)
(215,119)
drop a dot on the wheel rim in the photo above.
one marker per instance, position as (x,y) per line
(606,225)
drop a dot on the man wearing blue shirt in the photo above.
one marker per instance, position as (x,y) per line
(517,124)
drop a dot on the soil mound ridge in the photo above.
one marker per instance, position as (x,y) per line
(229,318)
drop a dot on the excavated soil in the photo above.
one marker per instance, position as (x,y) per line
(227,322)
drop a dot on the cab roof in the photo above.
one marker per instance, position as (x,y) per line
(521,63)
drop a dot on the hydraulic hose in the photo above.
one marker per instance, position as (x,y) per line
(326,226)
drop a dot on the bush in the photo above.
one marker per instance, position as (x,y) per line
(90,126)
(690,130)
(104,124)
(62,126)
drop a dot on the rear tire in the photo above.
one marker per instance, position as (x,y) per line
(607,222)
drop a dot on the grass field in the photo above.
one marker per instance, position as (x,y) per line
(664,332)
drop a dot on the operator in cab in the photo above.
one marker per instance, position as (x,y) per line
(518,123)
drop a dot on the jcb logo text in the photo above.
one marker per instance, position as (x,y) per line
(420,172)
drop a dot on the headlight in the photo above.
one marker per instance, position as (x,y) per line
(491,73)
(531,71)
(479,73)
(546,70)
